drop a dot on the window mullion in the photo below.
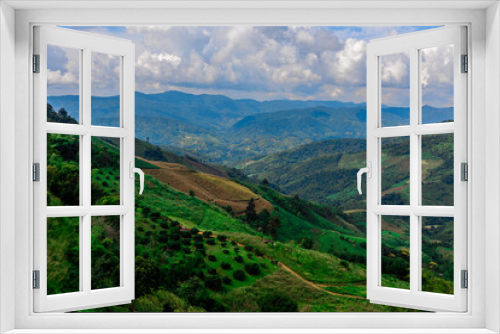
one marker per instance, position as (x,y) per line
(414,172)
(85,167)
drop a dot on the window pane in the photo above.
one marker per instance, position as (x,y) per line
(396,251)
(437,169)
(437,254)
(395,178)
(63,170)
(105,89)
(395,89)
(437,84)
(63,84)
(105,171)
(63,255)
(105,252)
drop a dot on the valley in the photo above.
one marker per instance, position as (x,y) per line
(246,219)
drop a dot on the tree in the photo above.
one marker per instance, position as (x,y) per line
(63,113)
(250,213)
(265,182)
(272,227)
(191,193)
(307,243)
(147,276)
(277,303)
(239,275)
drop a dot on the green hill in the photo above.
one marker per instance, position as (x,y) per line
(324,172)
(192,256)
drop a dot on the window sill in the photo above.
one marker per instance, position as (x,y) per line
(252,331)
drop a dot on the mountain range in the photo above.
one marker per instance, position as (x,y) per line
(229,131)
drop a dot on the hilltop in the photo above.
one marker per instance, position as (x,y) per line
(228,131)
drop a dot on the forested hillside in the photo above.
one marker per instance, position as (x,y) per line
(228,131)
(195,255)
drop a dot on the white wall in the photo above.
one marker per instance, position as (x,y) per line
(492,166)
(7,160)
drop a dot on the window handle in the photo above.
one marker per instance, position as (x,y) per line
(368,171)
(134,170)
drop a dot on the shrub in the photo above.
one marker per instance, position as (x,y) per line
(186,242)
(233,243)
(163,237)
(174,244)
(194,230)
(222,237)
(277,303)
(212,271)
(140,229)
(187,250)
(226,280)
(223,244)
(250,255)
(148,233)
(252,269)
(263,265)
(175,223)
(211,241)
(198,245)
(248,248)
(213,283)
(207,234)
(239,275)
(225,266)
(225,251)
(153,227)
(164,224)
(212,258)
(238,259)
(258,252)
(200,252)
(186,234)
(198,237)
(344,264)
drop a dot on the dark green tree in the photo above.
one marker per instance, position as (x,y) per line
(273,226)
(250,213)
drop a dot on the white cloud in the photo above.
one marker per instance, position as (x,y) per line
(262,62)
(60,78)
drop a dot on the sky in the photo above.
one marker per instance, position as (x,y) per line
(262,63)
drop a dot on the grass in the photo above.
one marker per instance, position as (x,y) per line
(217,251)
(310,264)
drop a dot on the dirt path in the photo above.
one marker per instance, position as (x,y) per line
(356,283)
(315,286)
(355,210)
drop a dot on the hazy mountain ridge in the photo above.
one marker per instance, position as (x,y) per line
(229,131)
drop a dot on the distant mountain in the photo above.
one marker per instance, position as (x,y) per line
(393,116)
(213,112)
(230,131)
(324,172)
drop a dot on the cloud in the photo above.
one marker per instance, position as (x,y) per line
(437,76)
(63,71)
(105,74)
(299,62)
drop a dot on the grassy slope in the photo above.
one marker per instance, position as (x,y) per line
(172,275)
(161,201)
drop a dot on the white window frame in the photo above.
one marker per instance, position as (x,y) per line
(484,51)
(413,43)
(86,44)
